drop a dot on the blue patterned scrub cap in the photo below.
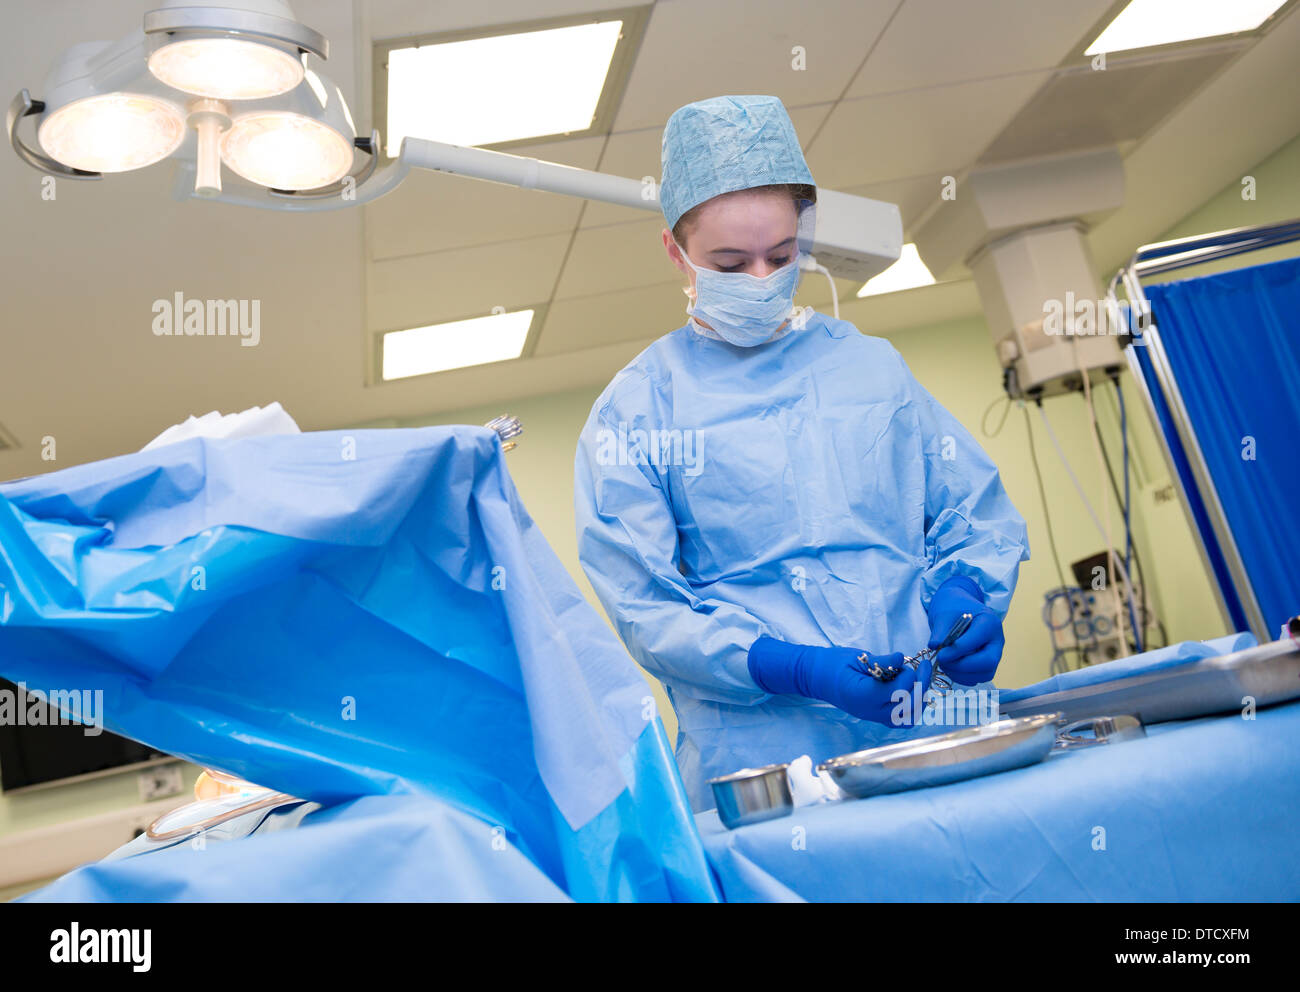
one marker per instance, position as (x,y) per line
(725,144)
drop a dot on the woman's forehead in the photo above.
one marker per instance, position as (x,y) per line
(748,222)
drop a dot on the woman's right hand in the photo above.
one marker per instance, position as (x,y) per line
(841,677)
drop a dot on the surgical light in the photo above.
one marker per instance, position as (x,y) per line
(285,150)
(226,68)
(209,118)
(239,76)
(113,132)
(1148,23)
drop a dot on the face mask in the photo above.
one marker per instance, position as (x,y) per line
(745,310)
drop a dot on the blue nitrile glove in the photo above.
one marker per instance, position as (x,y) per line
(973,657)
(836,676)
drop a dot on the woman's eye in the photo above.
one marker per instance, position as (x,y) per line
(776,262)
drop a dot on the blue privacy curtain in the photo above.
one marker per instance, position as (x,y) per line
(346,616)
(1233,342)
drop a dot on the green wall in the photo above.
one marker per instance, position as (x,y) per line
(1277,198)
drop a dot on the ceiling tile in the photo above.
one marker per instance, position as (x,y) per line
(620,256)
(1207,145)
(606,318)
(635,155)
(703,48)
(938,41)
(913,195)
(941,129)
(427,289)
(1081,108)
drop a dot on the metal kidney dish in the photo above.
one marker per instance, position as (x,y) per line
(951,757)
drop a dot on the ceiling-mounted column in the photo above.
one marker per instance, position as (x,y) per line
(1019,229)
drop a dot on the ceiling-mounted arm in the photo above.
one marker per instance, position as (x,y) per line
(369,145)
(22,106)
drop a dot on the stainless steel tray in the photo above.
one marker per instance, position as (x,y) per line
(950,757)
(1268,674)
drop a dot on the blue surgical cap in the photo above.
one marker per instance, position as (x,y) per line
(726,144)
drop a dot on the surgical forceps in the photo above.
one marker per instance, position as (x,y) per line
(940,681)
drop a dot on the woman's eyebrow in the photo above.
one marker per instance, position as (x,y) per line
(742,251)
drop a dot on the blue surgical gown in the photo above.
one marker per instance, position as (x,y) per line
(809,489)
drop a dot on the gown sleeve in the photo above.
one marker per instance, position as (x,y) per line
(628,546)
(972,529)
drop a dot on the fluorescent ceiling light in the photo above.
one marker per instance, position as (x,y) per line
(455,345)
(908,272)
(488,90)
(1147,23)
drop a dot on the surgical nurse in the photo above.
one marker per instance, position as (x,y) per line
(769,506)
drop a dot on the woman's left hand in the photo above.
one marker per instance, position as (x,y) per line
(973,658)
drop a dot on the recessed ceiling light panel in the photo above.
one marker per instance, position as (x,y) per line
(1149,23)
(909,272)
(454,345)
(508,87)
